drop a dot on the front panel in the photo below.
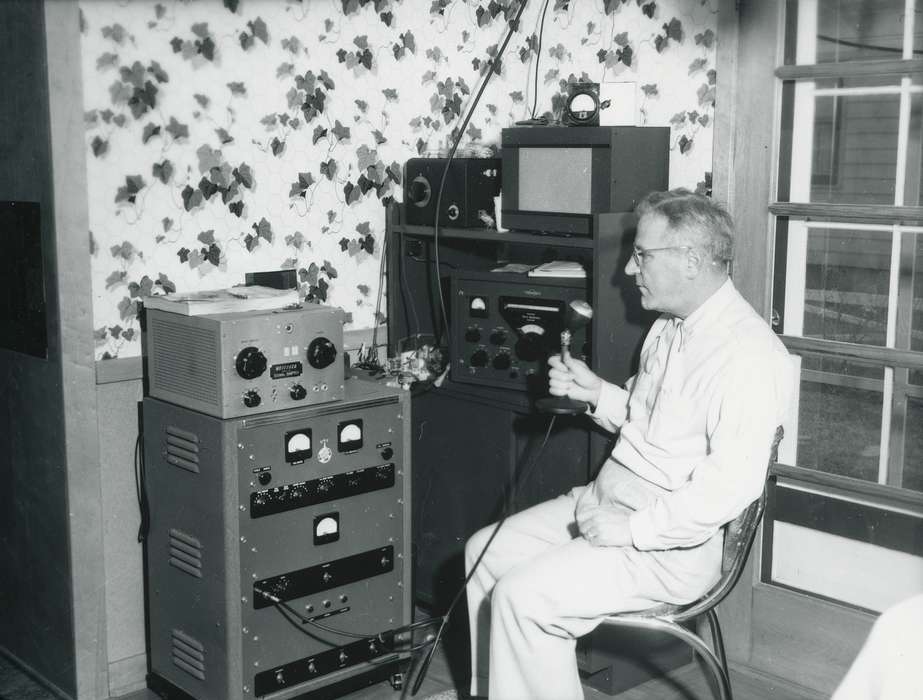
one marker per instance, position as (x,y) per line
(238,364)
(506,326)
(304,508)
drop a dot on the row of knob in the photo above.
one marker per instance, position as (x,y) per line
(252,398)
(473,335)
(251,362)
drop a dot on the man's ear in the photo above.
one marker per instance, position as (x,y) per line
(695,261)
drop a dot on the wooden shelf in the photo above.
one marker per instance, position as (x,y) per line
(476,234)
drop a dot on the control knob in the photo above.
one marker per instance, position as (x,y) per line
(251,363)
(252,398)
(473,334)
(419,192)
(297,392)
(321,353)
(501,361)
(529,347)
(498,337)
(479,358)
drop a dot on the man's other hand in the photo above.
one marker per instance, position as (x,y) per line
(571,377)
(604,526)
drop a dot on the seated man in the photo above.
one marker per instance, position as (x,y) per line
(695,428)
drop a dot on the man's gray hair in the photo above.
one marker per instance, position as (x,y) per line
(697,219)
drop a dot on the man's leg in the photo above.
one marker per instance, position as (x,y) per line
(541,607)
(521,537)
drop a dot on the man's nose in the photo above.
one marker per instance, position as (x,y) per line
(631,267)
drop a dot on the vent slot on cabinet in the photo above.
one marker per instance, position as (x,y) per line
(181,449)
(188,654)
(186,360)
(185,553)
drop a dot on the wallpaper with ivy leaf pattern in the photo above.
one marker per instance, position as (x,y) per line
(228,136)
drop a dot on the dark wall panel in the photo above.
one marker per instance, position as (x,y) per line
(36,616)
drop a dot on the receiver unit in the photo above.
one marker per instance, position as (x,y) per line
(505,326)
(244,363)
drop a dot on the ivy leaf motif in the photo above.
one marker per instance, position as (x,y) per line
(99,146)
(133,185)
(390,94)
(706,38)
(167,223)
(258,29)
(237,88)
(231,4)
(203,100)
(379,137)
(162,171)
(213,254)
(298,189)
(177,130)
(150,131)
(648,9)
(244,175)
(341,132)
(263,229)
(328,168)
(160,75)
(223,136)
(120,93)
(277,146)
(674,30)
(246,40)
(285,69)
(191,198)
(114,331)
(117,277)
(183,254)
(296,239)
(329,270)
(251,242)
(685,144)
(712,76)
(624,55)
(649,89)
(207,188)
(697,65)
(107,60)
(164,282)
(236,208)
(128,309)
(116,32)
(621,39)
(678,119)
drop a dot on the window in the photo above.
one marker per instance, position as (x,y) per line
(848,277)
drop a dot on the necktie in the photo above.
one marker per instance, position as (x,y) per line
(655,361)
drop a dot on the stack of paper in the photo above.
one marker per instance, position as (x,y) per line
(558,268)
(220,301)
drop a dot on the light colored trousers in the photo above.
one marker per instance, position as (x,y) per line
(540,586)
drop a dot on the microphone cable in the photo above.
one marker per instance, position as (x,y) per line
(427,660)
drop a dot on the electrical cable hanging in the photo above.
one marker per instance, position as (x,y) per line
(424,667)
(494,67)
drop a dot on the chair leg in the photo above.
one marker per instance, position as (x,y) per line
(698,645)
(717,640)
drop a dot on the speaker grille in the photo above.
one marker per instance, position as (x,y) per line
(186,360)
(181,448)
(188,654)
(185,553)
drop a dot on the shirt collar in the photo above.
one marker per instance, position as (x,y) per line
(707,313)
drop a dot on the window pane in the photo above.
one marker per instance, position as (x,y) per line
(913,446)
(848,30)
(839,417)
(847,279)
(854,148)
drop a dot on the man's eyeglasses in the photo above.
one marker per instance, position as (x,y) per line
(639,255)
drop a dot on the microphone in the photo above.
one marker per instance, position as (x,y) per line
(579,313)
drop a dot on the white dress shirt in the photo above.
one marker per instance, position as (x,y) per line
(697,420)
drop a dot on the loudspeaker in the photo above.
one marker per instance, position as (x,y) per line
(467,198)
(582,105)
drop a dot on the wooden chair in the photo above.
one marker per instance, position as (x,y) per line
(738,539)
